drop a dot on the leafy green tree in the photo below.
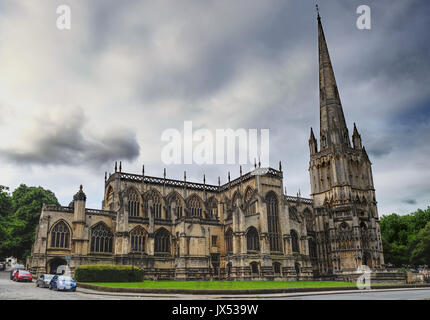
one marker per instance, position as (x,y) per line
(19,224)
(402,236)
(420,248)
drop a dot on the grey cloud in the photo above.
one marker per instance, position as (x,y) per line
(409,201)
(65,144)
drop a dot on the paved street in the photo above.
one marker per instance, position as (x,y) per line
(10,290)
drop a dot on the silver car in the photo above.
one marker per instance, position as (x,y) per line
(44,280)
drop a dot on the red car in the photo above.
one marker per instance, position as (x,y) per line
(22,275)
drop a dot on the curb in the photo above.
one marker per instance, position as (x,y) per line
(240,291)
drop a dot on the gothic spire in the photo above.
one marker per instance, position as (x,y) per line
(333,130)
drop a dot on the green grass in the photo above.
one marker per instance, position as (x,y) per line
(225,285)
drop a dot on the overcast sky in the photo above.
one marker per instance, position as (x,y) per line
(72,102)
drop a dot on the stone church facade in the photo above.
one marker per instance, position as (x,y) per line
(245,229)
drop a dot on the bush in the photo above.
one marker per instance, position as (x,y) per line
(108,273)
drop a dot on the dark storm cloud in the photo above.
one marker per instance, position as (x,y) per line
(409,201)
(64,143)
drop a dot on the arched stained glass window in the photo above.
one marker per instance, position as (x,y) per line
(272,221)
(162,241)
(252,239)
(137,240)
(101,239)
(133,203)
(195,207)
(156,205)
(60,236)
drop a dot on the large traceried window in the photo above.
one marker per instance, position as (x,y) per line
(195,207)
(272,221)
(229,241)
(137,240)
(133,203)
(252,240)
(162,241)
(294,241)
(60,236)
(250,204)
(101,239)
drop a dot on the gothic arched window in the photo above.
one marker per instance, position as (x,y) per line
(252,240)
(60,236)
(156,205)
(101,239)
(162,241)
(195,207)
(179,205)
(137,240)
(133,203)
(229,241)
(294,241)
(272,221)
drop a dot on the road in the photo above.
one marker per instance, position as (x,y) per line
(10,290)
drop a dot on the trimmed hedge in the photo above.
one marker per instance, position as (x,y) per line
(108,273)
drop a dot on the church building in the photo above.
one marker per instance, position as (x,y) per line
(245,229)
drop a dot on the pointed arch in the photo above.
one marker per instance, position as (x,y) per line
(249,192)
(101,238)
(134,202)
(174,196)
(195,206)
(60,235)
(157,204)
(252,239)
(273,221)
(236,196)
(162,241)
(250,202)
(138,239)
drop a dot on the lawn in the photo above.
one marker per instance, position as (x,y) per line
(225,285)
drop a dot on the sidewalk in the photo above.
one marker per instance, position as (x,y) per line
(235,296)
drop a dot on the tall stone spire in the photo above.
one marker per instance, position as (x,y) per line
(333,130)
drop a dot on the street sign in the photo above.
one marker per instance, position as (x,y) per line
(68,257)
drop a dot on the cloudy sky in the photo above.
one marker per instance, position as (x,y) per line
(72,102)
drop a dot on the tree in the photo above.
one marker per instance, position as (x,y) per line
(420,248)
(22,212)
(404,238)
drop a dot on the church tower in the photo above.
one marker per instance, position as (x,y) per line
(348,233)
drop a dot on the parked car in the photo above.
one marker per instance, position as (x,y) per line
(44,280)
(14,269)
(23,275)
(61,282)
